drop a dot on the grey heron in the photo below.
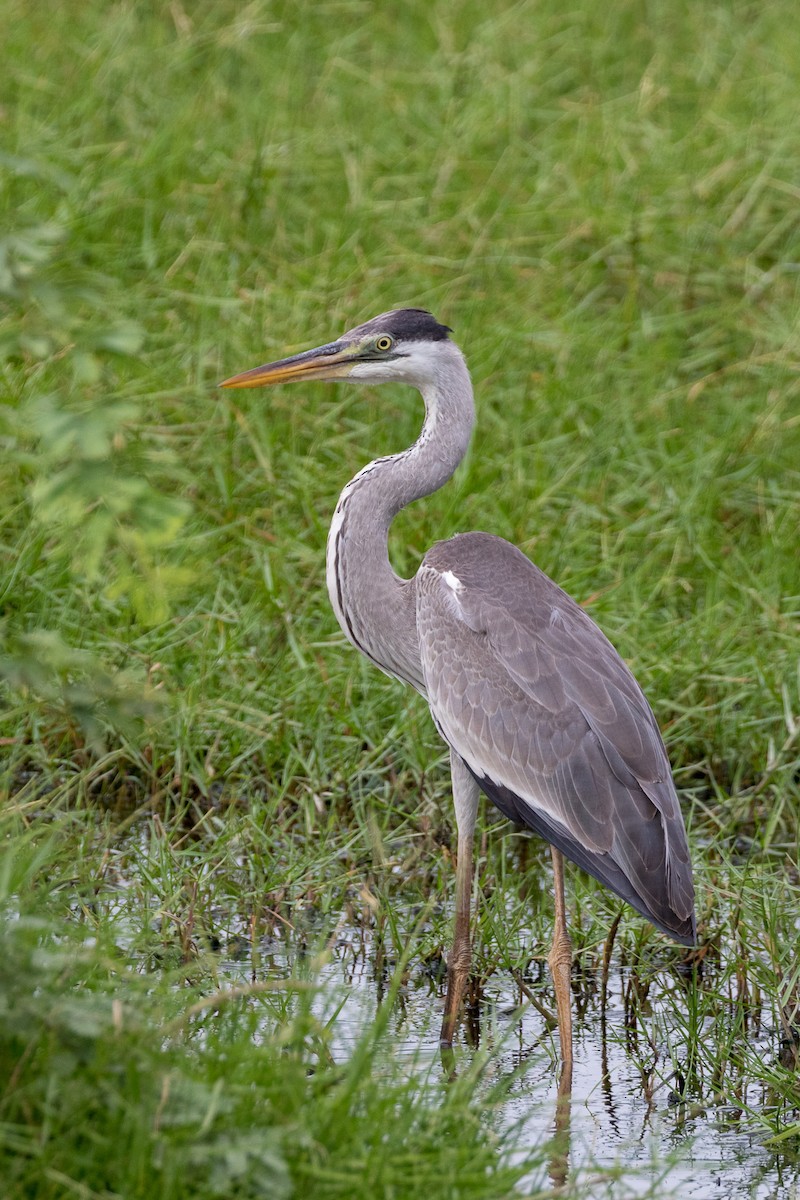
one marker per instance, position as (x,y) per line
(537,708)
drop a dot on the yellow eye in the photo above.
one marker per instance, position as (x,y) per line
(384,343)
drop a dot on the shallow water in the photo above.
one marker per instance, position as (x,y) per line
(633,1130)
(629,1133)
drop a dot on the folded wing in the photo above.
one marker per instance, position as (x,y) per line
(551,722)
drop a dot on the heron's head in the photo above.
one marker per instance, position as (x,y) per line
(403,346)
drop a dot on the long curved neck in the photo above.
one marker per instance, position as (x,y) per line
(375,607)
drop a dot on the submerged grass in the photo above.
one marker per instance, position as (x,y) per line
(603,203)
(123,1084)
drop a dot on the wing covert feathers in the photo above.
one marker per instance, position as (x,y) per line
(551,722)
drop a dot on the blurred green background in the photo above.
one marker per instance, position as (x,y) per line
(603,203)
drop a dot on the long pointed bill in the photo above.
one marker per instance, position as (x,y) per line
(334,361)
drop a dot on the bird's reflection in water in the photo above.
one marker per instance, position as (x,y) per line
(605,1073)
(472,1012)
(559,1147)
(589,993)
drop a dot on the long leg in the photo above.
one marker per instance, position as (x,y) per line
(465,797)
(561,967)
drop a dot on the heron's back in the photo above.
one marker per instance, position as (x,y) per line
(532,695)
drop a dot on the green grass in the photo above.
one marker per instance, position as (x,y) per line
(124,1085)
(602,201)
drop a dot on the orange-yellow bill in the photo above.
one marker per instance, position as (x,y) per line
(333,361)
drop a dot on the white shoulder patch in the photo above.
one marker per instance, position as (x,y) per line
(452,581)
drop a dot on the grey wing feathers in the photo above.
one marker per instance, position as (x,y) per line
(551,722)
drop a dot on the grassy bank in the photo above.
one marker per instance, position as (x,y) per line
(602,202)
